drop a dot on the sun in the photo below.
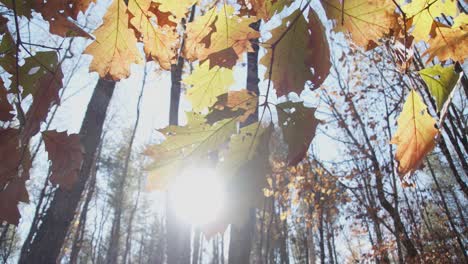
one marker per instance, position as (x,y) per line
(197,196)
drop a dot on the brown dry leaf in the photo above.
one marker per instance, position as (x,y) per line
(217,34)
(160,41)
(264,9)
(56,12)
(77,6)
(5,106)
(318,55)
(115,46)
(450,43)
(365,20)
(14,172)
(298,124)
(66,156)
(295,52)
(415,136)
(239,104)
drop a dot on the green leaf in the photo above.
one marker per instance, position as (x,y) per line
(33,70)
(298,124)
(190,143)
(440,81)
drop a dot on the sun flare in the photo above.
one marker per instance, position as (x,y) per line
(197,196)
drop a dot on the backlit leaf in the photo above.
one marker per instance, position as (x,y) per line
(193,141)
(450,43)
(207,84)
(219,34)
(423,13)
(440,81)
(160,41)
(364,20)
(115,46)
(178,8)
(415,136)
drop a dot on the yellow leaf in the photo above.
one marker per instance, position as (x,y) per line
(423,12)
(115,46)
(450,43)
(219,36)
(415,136)
(177,7)
(207,85)
(160,42)
(365,20)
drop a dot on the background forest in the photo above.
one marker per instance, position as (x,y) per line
(223,131)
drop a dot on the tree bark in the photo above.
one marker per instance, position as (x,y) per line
(47,243)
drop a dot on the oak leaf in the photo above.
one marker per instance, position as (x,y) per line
(218,34)
(207,85)
(415,136)
(440,81)
(160,42)
(56,12)
(177,8)
(298,124)
(450,43)
(66,155)
(366,21)
(115,46)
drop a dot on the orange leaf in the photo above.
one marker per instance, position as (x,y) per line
(364,20)
(160,41)
(450,43)
(415,136)
(115,46)
(219,34)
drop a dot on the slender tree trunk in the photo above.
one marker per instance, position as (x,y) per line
(50,236)
(196,246)
(241,236)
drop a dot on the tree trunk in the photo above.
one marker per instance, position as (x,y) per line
(47,243)
(241,236)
